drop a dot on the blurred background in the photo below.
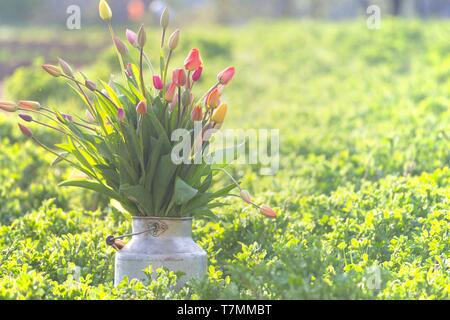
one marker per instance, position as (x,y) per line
(49,16)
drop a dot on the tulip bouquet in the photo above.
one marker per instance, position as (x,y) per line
(123,143)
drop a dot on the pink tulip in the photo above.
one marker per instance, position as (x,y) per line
(268,211)
(170,93)
(132,37)
(120,114)
(8,106)
(157,82)
(193,60)
(25,130)
(179,77)
(226,75)
(197,74)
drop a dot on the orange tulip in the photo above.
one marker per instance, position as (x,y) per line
(268,211)
(213,98)
(193,60)
(29,105)
(197,114)
(141,108)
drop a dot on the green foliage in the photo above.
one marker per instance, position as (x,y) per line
(363,189)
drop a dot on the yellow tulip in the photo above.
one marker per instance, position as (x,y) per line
(219,114)
(105,10)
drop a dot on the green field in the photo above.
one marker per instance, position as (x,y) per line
(362,190)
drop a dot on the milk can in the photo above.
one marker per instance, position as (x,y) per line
(160,242)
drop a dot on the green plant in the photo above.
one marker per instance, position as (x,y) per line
(125,149)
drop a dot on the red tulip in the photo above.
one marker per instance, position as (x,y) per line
(170,93)
(197,74)
(179,77)
(157,82)
(213,98)
(141,108)
(268,211)
(193,60)
(197,114)
(226,75)
(25,130)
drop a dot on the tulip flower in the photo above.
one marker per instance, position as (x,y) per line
(29,105)
(157,82)
(132,37)
(105,10)
(120,114)
(52,70)
(90,85)
(26,117)
(164,21)
(179,77)
(268,211)
(219,114)
(67,117)
(8,106)
(142,37)
(174,39)
(66,68)
(141,108)
(193,60)
(213,98)
(121,47)
(170,93)
(25,131)
(197,114)
(245,195)
(226,75)
(197,74)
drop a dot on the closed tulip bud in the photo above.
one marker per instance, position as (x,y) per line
(245,195)
(226,75)
(197,74)
(157,82)
(186,98)
(67,117)
(132,37)
(26,117)
(170,92)
(141,108)
(164,21)
(52,70)
(179,77)
(213,99)
(105,10)
(120,114)
(197,114)
(174,39)
(25,131)
(90,85)
(121,47)
(219,114)
(268,211)
(8,106)
(29,105)
(142,37)
(66,68)
(193,61)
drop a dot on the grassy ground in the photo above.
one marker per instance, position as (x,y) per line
(362,189)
